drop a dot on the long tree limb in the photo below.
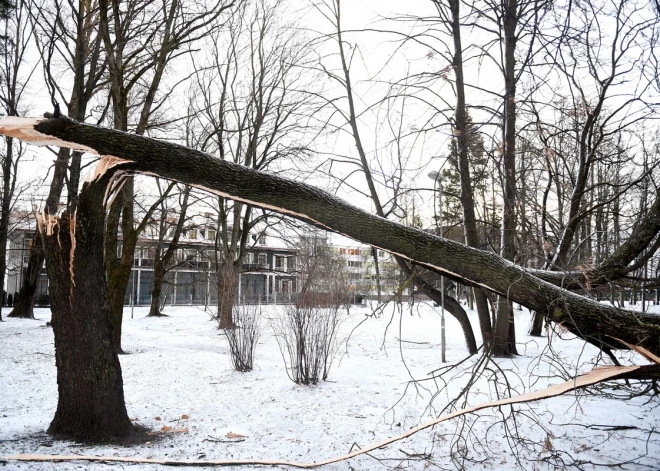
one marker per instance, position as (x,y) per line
(616,266)
(597,323)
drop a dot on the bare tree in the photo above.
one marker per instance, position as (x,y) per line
(168,233)
(250,112)
(67,34)
(602,54)
(141,40)
(15,74)
(332,11)
(576,313)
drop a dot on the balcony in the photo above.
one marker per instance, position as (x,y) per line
(255,267)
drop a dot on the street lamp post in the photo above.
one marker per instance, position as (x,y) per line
(437,178)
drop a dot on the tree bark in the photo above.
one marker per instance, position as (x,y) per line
(504,342)
(595,322)
(91,397)
(7,165)
(467,196)
(159,278)
(228,280)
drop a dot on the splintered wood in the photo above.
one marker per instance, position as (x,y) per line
(106,163)
(596,376)
(47,222)
(23,129)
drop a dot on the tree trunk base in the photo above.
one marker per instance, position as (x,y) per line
(503,352)
(22,310)
(537,325)
(226,325)
(21,315)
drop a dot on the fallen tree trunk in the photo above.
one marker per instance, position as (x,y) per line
(597,323)
(644,240)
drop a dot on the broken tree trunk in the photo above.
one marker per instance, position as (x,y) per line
(89,381)
(598,323)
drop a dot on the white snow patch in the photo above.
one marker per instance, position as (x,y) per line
(178,366)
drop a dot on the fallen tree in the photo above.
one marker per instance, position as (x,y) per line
(90,403)
(632,255)
(597,323)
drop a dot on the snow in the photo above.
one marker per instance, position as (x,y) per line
(178,365)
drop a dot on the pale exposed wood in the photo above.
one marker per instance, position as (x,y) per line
(643,351)
(23,129)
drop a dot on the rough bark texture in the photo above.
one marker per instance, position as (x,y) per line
(4,211)
(593,321)
(504,341)
(228,279)
(119,268)
(89,381)
(467,197)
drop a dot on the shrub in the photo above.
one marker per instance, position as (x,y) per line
(307,337)
(243,338)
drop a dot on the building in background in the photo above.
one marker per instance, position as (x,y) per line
(268,273)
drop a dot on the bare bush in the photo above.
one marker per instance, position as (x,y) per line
(243,337)
(307,337)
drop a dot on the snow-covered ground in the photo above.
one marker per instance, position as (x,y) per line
(178,366)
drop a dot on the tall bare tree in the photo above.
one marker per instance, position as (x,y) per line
(141,39)
(350,117)
(168,234)
(251,112)
(64,34)
(15,75)
(77,269)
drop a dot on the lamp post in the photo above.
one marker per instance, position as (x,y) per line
(437,178)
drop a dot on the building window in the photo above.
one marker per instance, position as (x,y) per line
(342,251)
(263,259)
(211,234)
(354,263)
(192,234)
(353,251)
(262,239)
